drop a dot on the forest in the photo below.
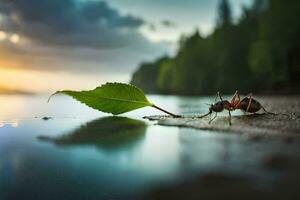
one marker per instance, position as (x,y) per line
(259,52)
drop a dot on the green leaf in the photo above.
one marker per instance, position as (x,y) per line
(115,98)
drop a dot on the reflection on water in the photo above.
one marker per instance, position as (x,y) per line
(80,154)
(106,132)
(13,123)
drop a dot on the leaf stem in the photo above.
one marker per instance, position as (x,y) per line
(173,115)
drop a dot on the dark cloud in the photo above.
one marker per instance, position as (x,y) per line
(78,36)
(70,23)
(3,7)
(101,12)
(168,23)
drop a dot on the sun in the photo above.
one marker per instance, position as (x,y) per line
(3,35)
(14,38)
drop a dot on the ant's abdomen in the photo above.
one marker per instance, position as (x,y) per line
(254,107)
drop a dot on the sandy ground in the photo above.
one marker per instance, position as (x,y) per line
(286,121)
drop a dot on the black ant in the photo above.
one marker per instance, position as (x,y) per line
(248,105)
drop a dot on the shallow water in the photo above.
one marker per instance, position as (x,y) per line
(84,154)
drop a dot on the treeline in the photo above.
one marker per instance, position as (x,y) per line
(260,52)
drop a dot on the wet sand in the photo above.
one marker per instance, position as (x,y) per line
(265,129)
(285,122)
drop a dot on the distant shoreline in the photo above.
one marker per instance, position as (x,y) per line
(16,92)
(288,91)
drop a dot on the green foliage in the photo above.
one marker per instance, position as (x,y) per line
(225,13)
(260,55)
(146,76)
(258,52)
(115,98)
(165,76)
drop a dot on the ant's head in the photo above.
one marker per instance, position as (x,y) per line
(219,106)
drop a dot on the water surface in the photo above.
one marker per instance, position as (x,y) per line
(84,154)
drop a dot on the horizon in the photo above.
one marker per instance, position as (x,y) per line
(43,53)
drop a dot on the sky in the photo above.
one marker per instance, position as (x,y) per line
(48,45)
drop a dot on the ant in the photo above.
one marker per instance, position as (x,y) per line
(248,105)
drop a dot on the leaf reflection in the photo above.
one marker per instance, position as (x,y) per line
(107,132)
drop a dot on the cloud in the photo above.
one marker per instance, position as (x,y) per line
(97,11)
(152,27)
(84,36)
(69,22)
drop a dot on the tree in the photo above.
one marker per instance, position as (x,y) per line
(225,18)
(260,51)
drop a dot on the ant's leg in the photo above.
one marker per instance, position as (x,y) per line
(204,115)
(234,97)
(235,103)
(271,113)
(267,112)
(229,118)
(239,99)
(249,104)
(238,96)
(218,95)
(213,118)
(243,112)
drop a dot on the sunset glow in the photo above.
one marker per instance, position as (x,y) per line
(14,38)
(39,53)
(47,82)
(2,35)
